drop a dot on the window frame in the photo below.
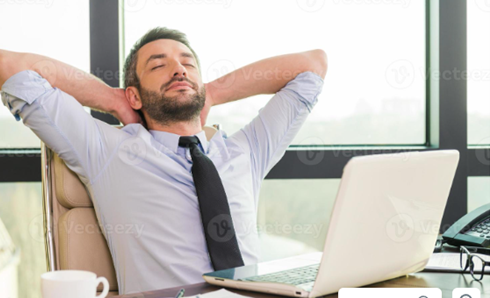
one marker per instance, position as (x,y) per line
(446,103)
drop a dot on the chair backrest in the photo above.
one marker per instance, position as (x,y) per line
(73,238)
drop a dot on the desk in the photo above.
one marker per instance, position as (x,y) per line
(444,281)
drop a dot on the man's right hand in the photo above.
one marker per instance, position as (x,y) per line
(87,89)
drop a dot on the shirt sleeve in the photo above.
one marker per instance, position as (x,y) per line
(270,133)
(60,121)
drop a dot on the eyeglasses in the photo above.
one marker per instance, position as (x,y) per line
(468,259)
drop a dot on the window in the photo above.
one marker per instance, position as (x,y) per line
(21,213)
(478,192)
(374,92)
(478,72)
(43,27)
(294,215)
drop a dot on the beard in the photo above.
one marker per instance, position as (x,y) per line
(183,107)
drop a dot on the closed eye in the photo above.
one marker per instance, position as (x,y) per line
(158,66)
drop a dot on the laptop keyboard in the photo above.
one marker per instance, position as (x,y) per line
(296,276)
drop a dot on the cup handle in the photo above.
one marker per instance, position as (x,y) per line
(105,291)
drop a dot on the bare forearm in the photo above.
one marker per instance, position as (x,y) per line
(266,76)
(84,87)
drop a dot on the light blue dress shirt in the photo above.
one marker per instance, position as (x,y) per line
(141,183)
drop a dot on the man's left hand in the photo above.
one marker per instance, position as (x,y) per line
(207,105)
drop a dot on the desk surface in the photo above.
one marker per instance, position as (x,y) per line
(444,281)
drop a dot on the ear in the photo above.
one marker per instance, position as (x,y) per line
(133,97)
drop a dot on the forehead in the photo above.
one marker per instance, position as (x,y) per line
(169,47)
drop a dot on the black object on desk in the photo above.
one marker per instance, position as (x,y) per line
(472,229)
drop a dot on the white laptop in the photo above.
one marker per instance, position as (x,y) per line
(383,225)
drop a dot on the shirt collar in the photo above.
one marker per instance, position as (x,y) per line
(171,140)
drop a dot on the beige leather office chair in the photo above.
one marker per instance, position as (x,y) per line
(72,236)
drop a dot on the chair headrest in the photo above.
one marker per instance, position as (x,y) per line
(70,191)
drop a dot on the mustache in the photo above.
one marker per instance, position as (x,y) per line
(165,86)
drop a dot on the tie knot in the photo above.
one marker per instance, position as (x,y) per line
(188,141)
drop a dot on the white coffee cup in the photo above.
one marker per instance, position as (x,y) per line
(73,284)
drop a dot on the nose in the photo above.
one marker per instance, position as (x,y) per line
(180,70)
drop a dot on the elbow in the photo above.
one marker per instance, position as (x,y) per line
(319,62)
(10,63)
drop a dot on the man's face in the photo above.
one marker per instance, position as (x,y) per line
(161,65)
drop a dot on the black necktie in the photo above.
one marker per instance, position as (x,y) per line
(215,211)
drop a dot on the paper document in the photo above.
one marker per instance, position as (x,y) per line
(450,262)
(219,294)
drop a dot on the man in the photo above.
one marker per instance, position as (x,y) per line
(150,175)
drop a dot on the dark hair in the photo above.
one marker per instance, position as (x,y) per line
(130,75)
